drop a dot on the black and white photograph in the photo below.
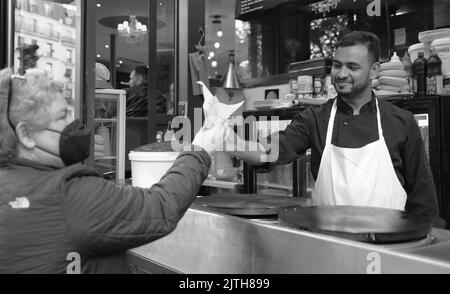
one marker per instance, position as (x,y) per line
(236,144)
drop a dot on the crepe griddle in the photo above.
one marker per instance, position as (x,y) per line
(248,205)
(359,223)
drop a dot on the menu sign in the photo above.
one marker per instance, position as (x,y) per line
(247,7)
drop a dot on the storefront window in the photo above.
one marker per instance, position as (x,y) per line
(130,47)
(272,36)
(38,41)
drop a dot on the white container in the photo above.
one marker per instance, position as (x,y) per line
(414,50)
(430,36)
(148,167)
(442,47)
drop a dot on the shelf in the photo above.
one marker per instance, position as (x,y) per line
(220,184)
(276,186)
(105,119)
(105,158)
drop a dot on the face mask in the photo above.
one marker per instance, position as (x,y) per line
(74,143)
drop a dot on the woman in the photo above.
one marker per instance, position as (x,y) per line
(56,214)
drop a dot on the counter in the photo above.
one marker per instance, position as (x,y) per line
(207,242)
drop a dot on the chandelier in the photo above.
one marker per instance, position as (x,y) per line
(324,6)
(133,31)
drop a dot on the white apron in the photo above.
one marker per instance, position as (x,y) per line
(358,176)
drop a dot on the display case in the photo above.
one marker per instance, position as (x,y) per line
(110,125)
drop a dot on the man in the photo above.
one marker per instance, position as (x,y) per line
(137,98)
(364,151)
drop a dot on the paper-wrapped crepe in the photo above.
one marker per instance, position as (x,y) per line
(216,111)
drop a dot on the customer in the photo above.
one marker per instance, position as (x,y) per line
(137,94)
(53,208)
(364,151)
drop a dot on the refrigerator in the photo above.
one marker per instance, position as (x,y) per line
(432,114)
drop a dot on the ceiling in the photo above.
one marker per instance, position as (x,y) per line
(112,12)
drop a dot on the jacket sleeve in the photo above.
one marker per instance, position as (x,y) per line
(104,218)
(419,184)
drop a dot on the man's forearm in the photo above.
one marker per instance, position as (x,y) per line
(252,152)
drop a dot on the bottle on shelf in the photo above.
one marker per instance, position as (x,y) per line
(435,81)
(420,73)
(159,137)
(409,68)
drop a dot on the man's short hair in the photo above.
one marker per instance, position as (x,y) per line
(142,71)
(370,40)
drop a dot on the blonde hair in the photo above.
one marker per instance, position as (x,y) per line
(30,101)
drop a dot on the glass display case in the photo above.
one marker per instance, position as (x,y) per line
(293,179)
(110,126)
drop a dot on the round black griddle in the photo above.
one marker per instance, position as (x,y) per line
(248,205)
(366,224)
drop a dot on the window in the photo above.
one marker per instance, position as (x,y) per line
(69,55)
(47,9)
(35,25)
(49,50)
(50,30)
(33,6)
(20,41)
(68,74)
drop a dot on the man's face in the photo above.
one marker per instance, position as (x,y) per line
(134,79)
(61,115)
(352,70)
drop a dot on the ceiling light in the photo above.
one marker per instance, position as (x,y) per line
(217,45)
(106,46)
(120,61)
(98,56)
(214,63)
(132,31)
(99,5)
(219,33)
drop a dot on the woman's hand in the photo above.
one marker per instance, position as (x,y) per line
(211,139)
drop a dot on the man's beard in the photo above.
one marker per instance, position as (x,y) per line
(355,91)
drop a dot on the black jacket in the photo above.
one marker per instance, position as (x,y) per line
(48,215)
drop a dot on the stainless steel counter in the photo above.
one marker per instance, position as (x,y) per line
(206,242)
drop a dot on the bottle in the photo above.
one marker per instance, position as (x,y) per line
(409,68)
(420,73)
(434,74)
(168,133)
(159,137)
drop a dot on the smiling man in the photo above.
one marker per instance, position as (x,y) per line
(364,151)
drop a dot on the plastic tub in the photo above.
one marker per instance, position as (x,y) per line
(442,47)
(148,167)
(414,50)
(430,36)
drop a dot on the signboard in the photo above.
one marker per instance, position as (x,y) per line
(245,8)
